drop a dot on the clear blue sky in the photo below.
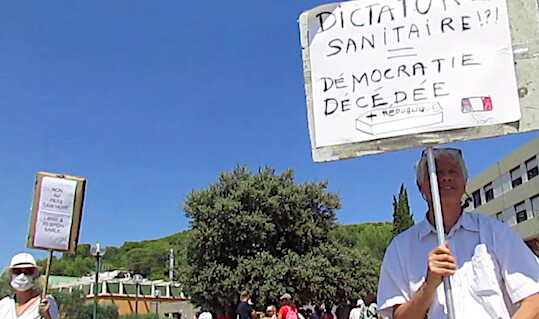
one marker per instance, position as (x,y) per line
(151,99)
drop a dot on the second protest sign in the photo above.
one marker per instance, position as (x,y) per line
(56,212)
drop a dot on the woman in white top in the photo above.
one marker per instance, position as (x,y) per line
(26,302)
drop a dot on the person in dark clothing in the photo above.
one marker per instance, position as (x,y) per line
(245,310)
(317,314)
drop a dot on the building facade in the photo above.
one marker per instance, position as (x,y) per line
(118,287)
(509,192)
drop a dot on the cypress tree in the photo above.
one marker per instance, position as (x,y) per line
(402,218)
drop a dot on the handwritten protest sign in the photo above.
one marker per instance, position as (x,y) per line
(379,70)
(56,212)
(403,67)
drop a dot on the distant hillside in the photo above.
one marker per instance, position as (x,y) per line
(151,257)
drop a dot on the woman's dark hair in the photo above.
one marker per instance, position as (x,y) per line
(370,298)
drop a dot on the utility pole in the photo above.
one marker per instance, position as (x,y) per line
(171,265)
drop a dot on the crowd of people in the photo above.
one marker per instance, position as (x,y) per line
(365,309)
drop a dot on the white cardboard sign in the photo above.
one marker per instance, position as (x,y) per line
(55,213)
(401,67)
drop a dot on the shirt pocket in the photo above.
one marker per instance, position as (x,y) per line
(484,272)
(485,284)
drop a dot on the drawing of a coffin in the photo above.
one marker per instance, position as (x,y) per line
(398,118)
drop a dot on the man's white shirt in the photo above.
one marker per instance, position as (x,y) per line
(495,268)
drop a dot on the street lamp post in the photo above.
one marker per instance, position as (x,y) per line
(137,279)
(157,294)
(97,250)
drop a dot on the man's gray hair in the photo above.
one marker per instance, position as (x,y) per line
(451,154)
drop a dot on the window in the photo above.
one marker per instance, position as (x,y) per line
(489,192)
(516,177)
(535,205)
(520,210)
(531,167)
(476,198)
(499,216)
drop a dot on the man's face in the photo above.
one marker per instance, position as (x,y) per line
(451,182)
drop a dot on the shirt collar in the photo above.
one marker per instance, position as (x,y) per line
(465,221)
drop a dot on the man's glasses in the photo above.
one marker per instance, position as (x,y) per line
(26,271)
(447,150)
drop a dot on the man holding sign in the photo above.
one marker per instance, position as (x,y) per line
(491,269)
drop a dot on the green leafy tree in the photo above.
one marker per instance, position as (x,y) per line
(402,218)
(5,289)
(347,274)
(268,234)
(371,238)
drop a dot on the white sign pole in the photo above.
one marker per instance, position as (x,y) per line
(438,219)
